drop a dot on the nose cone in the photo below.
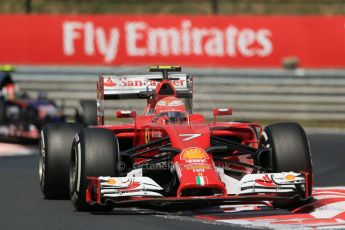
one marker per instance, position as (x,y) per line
(197,173)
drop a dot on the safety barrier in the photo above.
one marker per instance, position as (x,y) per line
(253,94)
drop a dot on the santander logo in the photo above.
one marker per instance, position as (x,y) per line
(140,38)
(109,82)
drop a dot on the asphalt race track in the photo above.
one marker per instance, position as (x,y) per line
(22,205)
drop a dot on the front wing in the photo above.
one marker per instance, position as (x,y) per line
(138,190)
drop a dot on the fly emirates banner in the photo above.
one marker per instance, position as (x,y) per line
(223,41)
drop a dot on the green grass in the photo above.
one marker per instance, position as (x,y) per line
(257,7)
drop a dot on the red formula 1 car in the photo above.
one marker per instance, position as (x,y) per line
(169,155)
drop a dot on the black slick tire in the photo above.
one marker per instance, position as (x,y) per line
(89,114)
(95,152)
(55,148)
(290,152)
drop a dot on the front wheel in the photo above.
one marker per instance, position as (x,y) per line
(95,152)
(55,148)
(290,152)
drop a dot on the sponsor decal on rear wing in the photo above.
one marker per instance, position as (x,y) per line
(132,86)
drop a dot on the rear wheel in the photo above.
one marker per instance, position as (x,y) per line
(290,152)
(55,148)
(89,115)
(95,152)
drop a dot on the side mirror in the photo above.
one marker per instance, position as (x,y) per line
(126,114)
(221,112)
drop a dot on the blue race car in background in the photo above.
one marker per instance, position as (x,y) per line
(22,117)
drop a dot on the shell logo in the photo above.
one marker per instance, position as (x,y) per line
(147,136)
(111,181)
(290,177)
(193,154)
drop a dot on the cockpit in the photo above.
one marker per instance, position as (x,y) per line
(174,117)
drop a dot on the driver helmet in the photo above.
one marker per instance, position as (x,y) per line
(172,109)
(9,91)
(169,104)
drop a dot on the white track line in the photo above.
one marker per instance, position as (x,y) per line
(16,150)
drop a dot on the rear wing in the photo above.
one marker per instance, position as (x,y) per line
(112,87)
(136,86)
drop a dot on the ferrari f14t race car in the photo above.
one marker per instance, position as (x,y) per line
(21,117)
(170,155)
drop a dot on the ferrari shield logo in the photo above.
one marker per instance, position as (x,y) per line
(147,136)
